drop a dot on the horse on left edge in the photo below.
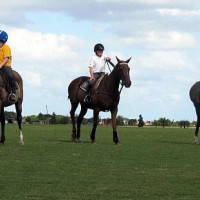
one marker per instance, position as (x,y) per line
(5,102)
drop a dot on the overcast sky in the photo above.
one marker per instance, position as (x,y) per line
(52,42)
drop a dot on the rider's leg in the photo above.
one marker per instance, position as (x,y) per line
(9,73)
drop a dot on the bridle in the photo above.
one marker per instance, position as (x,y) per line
(122,79)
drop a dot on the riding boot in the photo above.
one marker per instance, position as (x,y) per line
(12,97)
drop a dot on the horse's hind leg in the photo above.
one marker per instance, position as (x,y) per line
(197,107)
(72,114)
(95,122)
(79,121)
(2,119)
(18,107)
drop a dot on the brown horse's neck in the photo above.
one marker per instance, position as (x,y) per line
(113,80)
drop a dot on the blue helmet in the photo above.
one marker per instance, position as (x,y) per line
(3,36)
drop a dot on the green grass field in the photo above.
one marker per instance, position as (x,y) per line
(151,163)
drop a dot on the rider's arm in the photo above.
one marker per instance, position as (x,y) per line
(5,60)
(91,73)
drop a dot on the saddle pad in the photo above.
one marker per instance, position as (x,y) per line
(97,83)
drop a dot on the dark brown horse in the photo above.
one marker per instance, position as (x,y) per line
(105,98)
(195,98)
(4,102)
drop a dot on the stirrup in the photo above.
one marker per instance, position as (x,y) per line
(87,99)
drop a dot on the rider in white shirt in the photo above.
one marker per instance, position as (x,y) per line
(96,66)
(97,62)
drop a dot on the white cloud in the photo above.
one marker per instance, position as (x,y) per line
(160,62)
(175,97)
(37,47)
(33,79)
(162,40)
(178,12)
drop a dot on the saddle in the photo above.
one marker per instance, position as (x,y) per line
(91,89)
(87,86)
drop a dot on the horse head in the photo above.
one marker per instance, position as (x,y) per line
(124,71)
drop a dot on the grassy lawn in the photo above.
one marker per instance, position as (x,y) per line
(151,163)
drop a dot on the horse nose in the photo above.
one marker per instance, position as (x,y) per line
(128,84)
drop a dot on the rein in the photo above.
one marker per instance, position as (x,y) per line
(122,85)
(109,65)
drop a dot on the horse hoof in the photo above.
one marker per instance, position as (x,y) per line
(118,144)
(1,142)
(78,140)
(196,142)
(93,142)
(21,143)
(73,139)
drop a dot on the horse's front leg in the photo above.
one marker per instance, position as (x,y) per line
(95,122)
(114,125)
(79,121)
(2,119)
(197,107)
(18,106)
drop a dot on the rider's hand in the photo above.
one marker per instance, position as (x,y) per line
(91,78)
(108,59)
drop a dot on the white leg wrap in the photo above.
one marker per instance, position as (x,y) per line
(196,140)
(21,138)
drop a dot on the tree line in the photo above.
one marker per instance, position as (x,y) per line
(121,121)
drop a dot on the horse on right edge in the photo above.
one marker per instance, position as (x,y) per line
(195,98)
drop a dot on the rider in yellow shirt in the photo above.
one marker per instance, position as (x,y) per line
(5,63)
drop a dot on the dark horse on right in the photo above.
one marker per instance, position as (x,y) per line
(195,98)
(105,98)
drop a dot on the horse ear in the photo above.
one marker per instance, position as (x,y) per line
(118,60)
(128,60)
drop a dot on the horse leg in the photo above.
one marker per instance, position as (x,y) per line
(72,112)
(2,119)
(95,122)
(79,121)
(114,125)
(197,107)
(18,107)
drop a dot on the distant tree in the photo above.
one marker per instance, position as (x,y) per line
(53,118)
(184,124)
(164,122)
(40,116)
(10,115)
(28,119)
(132,122)
(155,123)
(120,120)
(140,120)
(34,117)
(64,120)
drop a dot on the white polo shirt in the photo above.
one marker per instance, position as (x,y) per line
(98,63)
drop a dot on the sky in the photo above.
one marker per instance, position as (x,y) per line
(52,43)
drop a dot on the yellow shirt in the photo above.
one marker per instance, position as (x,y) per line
(5,52)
